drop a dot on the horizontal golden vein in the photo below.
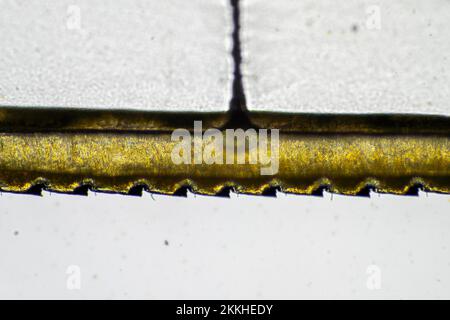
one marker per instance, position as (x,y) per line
(115,162)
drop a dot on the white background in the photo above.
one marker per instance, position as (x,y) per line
(243,247)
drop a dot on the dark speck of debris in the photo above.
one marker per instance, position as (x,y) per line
(355,28)
(16,233)
(166,243)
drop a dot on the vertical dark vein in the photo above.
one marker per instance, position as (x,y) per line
(238,106)
(238,97)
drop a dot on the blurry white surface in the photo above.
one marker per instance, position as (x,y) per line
(243,247)
(352,56)
(134,54)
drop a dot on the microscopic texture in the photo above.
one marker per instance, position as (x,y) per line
(348,56)
(130,54)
